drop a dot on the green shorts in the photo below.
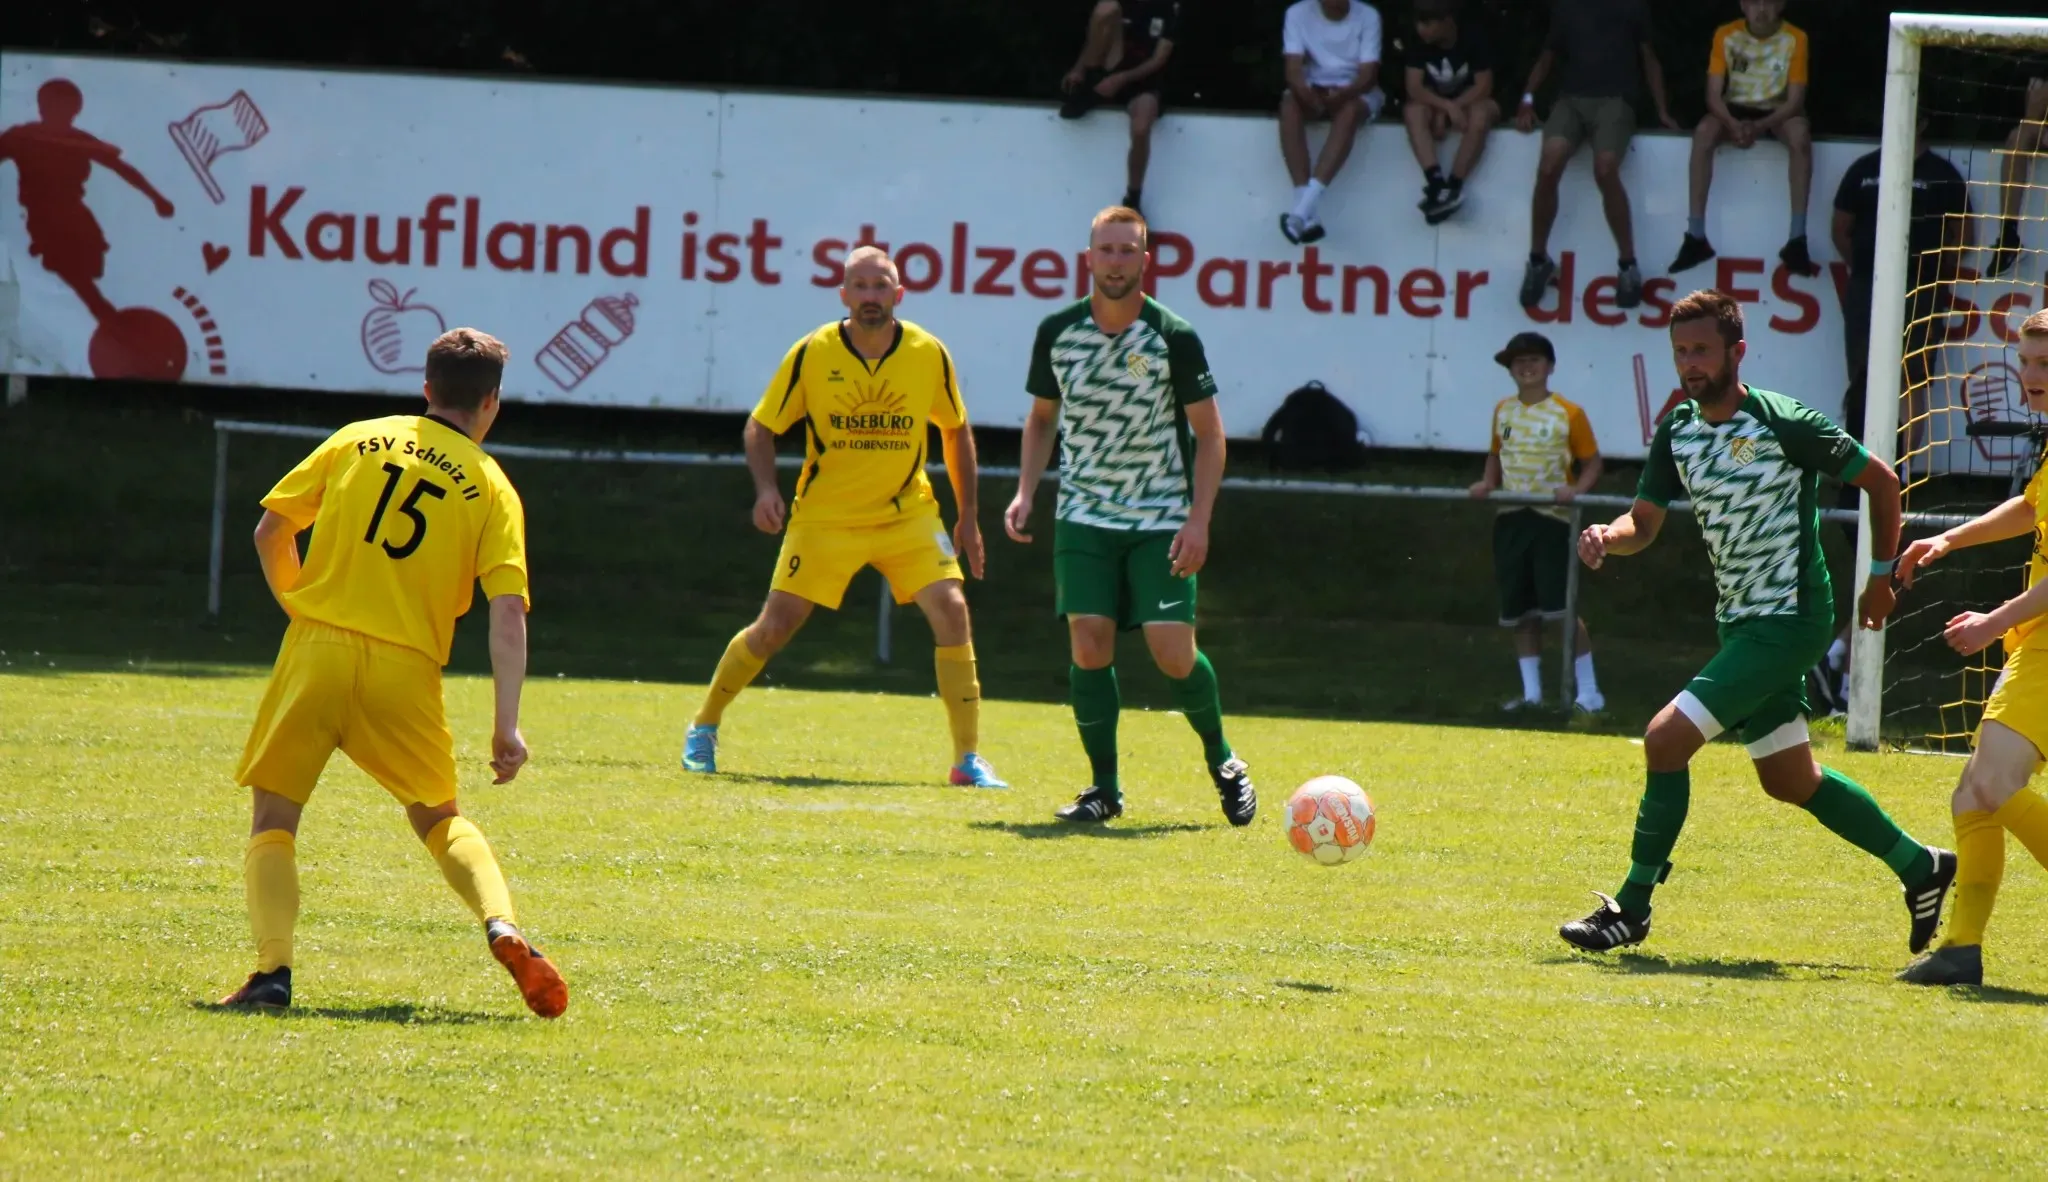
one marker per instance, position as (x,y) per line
(1756,684)
(1532,557)
(1121,574)
(1609,122)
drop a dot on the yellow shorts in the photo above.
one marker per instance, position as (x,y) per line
(818,561)
(2019,699)
(379,702)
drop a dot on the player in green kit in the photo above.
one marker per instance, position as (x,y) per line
(1751,461)
(1126,385)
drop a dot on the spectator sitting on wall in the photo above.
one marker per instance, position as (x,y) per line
(1332,51)
(1607,59)
(2021,147)
(1123,61)
(1756,86)
(1450,88)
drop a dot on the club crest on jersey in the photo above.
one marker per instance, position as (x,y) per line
(1742,449)
(1138,364)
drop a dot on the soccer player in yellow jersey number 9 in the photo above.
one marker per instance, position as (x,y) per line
(406,512)
(1993,797)
(864,388)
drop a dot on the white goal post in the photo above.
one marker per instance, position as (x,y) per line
(1910,32)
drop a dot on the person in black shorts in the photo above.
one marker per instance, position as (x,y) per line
(1450,88)
(1123,63)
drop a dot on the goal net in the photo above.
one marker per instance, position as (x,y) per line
(1964,265)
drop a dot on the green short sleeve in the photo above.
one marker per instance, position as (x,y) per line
(1660,484)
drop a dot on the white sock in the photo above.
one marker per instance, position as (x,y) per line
(1838,652)
(1582,672)
(1305,200)
(1532,678)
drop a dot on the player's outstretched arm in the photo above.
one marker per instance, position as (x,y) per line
(769,509)
(277,548)
(963,468)
(1880,487)
(1972,632)
(2010,520)
(1041,427)
(508,677)
(1630,533)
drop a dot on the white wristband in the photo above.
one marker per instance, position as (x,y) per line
(1528,100)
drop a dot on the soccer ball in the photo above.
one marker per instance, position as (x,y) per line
(1329,819)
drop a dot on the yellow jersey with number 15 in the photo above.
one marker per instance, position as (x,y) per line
(864,423)
(407,512)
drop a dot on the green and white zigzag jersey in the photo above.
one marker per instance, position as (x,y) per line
(1126,455)
(1754,484)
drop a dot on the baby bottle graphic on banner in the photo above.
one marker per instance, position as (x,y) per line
(583,343)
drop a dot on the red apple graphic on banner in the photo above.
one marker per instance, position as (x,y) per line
(395,333)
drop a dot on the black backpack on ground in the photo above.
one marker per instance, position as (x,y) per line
(1313,432)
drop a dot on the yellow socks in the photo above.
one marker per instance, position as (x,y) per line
(470,867)
(738,667)
(270,872)
(960,688)
(1980,864)
(2025,816)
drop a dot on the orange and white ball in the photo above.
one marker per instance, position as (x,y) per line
(1330,820)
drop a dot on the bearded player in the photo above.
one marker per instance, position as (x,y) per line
(864,388)
(1993,797)
(1127,386)
(407,514)
(1750,461)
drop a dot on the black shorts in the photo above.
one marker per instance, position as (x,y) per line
(1532,555)
(1748,114)
(1130,91)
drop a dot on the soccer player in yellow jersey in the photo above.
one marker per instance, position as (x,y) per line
(1542,445)
(407,512)
(1993,797)
(864,388)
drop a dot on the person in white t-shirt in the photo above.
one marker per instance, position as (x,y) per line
(1332,50)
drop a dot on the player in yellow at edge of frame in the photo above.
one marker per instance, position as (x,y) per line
(864,388)
(407,512)
(1993,797)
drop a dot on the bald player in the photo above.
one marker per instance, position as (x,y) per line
(865,388)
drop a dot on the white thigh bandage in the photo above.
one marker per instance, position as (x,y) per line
(1702,717)
(1785,738)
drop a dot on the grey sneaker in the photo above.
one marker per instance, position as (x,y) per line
(1950,964)
(1537,279)
(1628,287)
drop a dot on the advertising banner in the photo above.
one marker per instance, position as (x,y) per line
(656,247)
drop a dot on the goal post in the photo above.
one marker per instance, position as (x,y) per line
(1892,285)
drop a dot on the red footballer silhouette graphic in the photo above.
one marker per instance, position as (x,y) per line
(583,343)
(396,333)
(54,159)
(208,133)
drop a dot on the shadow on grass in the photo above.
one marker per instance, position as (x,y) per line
(1308,986)
(1993,995)
(395,1013)
(813,781)
(1637,964)
(1041,829)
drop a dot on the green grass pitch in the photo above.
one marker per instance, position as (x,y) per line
(823,964)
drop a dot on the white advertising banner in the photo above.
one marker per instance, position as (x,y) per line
(649,247)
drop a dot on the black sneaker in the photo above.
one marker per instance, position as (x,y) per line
(1432,192)
(1950,964)
(1537,279)
(1820,690)
(1082,99)
(1131,201)
(1606,929)
(1628,287)
(1234,785)
(264,991)
(1092,807)
(1797,259)
(1923,902)
(2007,252)
(1691,253)
(1450,202)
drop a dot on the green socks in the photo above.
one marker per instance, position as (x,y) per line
(1666,797)
(1096,703)
(1195,696)
(1851,814)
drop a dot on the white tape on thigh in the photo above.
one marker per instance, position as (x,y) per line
(1785,738)
(1702,717)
